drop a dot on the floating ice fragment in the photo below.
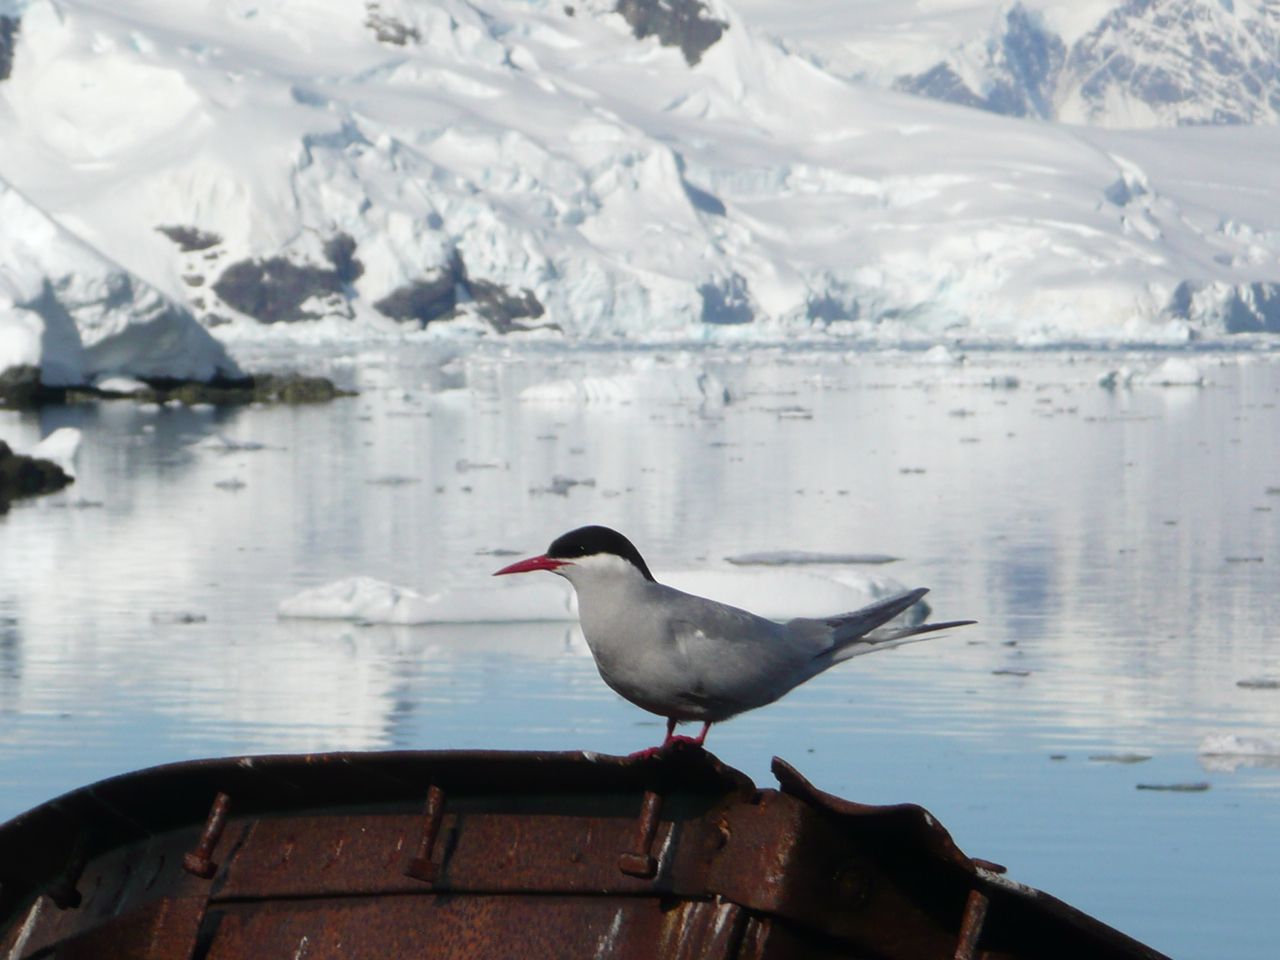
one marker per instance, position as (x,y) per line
(1176,787)
(392,481)
(61,447)
(1010,673)
(1120,757)
(940,355)
(779,558)
(375,601)
(232,483)
(775,594)
(560,486)
(177,617)
(226,445)
(1174,372)
(1259,683)
(1116,378)
(1228,744)
(1226,753)
(121,386)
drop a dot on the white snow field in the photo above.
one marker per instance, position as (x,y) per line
(330,170)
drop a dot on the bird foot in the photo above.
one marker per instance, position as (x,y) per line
(675,743)
(645,754)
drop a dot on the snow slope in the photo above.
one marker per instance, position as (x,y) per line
(79,318)
(328,170)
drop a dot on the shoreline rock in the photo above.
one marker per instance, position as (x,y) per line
(20,388)
(23,476)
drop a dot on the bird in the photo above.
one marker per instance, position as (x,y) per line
(687,658)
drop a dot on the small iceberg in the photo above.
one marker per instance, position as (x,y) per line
(774,594)
(1227,752)
(780,558)
(376,601)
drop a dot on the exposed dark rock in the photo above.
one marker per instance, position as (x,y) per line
(726,302)
(387,28)
(428,298)
(828,309)
(8,35)
(435,297)
(1033,58)
(340,250)
(190,239)
(940,82)
(704,201)
(1024,64)
(22,476)
(274,290)
(423,300)
(20,387)
(503,308)
(676,23)
(224,391)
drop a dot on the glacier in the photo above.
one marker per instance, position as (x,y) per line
(236,174)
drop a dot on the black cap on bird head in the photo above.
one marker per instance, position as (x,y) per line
(594,540)
(583,542)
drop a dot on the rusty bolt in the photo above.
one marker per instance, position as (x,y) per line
(638,862)
(975,913)
(421,867)
(63,891)
(199,864)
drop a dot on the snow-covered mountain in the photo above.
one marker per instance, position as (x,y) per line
(1146,63)
(325,169)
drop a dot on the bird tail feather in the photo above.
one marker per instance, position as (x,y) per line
(894,637)
(848,628)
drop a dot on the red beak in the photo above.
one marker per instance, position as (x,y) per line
(533,563)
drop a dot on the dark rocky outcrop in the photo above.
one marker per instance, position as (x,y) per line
(503,308)
(428,298)
(726,301)
(8,37)
(436,297)
(686,24)
(259,388)
(1025,62)
(388,29)
(22,476)
(20,387)
(190,239)
(274,290)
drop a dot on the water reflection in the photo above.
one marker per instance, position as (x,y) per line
(1101,537)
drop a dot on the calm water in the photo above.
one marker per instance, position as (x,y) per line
(1108,541)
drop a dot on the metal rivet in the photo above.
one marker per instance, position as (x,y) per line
(975,912)
(421,867)
(199,863)
(638,862)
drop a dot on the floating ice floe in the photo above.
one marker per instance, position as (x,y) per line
(1174,372)
(1225,752)
(376,601)
(775,594)
(779,558)
(61,447)
(121,386)
(679,384)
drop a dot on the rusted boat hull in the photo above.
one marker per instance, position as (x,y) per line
(462,855)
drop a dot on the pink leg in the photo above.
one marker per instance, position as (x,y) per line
(654,751)
(671,731)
